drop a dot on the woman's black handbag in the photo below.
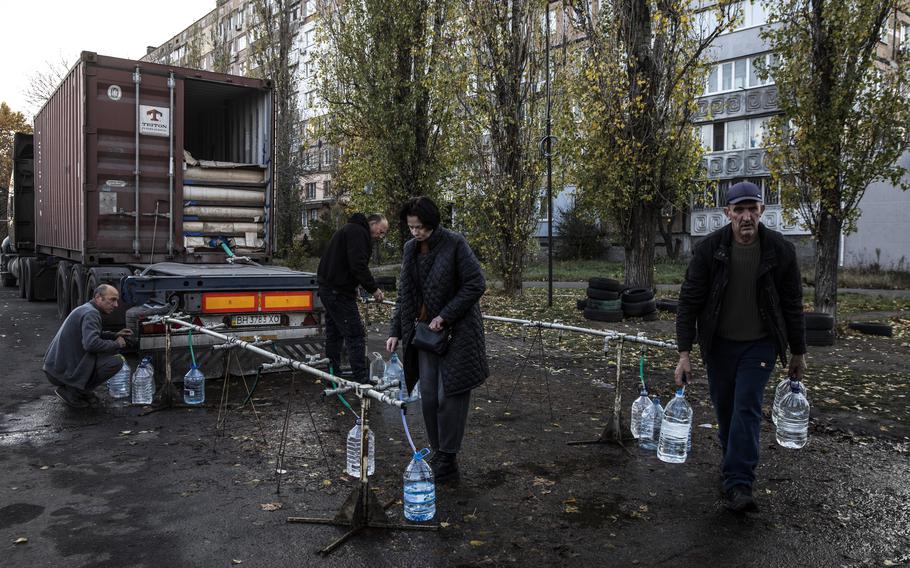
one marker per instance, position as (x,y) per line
(428,340)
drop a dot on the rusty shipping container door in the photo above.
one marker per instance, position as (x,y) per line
(86,157)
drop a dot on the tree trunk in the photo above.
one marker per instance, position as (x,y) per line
(639,246)
(826,260)
(671,245)
(512,283)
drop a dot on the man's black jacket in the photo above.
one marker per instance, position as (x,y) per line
(345,264)
(780,292)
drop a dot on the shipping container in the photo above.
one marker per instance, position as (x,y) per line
(137,162)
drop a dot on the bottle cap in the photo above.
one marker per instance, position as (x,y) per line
(420,454)
(680,392)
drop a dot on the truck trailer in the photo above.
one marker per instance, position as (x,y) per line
(158,180)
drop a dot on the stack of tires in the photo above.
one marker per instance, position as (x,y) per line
(819,329)
(604,301)
(386,283)
(639,303)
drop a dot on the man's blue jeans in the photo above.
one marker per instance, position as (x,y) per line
(737,374)
(344,328)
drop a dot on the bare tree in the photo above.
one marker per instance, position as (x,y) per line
(43,82)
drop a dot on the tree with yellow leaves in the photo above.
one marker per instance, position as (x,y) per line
(842,86)
(636,72)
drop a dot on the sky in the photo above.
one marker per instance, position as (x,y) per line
(35,32)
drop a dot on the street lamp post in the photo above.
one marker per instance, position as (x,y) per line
(548,153)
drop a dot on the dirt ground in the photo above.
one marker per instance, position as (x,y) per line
(526,496)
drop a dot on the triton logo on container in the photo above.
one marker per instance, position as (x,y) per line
(154,121)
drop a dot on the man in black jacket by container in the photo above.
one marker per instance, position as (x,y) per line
(343,267)
(743,294)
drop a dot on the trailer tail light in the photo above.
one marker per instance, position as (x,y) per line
(287,301)
(310,319)
(229,302)
(152,328)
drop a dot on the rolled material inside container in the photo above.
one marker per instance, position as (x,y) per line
(223,195)
(203,242)
(222,228)
(218,212)
(225,175)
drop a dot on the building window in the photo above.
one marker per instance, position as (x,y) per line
(738,74)
(750,14)
(886,31)
(734,135)
(326,188)
(314,214)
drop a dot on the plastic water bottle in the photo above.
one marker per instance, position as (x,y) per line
(143,383)
(676,430)
(377,368)
(782,390)
(118,386)
(194,386)
(394,373)
(419,489)
(646,428)
(793,418)
(353,465)
(658,419)
(639,406)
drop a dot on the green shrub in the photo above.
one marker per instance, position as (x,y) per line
(579,237)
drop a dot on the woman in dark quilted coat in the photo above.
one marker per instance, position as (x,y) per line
(440,283)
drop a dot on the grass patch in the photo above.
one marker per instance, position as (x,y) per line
(848,304)
(863,277)
(665,271)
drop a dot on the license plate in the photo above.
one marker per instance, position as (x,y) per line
(255,319)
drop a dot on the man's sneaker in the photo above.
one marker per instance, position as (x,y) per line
(71,397)
(739,499)
(90,397)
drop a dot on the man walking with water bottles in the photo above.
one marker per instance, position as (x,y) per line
(743,296)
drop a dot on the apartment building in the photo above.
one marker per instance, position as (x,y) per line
(732,118)
(222,41)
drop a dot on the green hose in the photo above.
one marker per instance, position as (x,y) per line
(641,370)
(340,396)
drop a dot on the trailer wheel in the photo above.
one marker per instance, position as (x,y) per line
(21,277)
(64,273)
(28,272)
(77,287)
(92,282)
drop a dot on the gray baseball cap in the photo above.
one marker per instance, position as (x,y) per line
(744,191)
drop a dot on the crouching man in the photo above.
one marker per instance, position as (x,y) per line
(82,356)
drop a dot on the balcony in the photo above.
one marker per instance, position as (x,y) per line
(703,222)
(736,104)
(748,162)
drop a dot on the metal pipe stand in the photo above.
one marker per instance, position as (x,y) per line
(613,433)
(361,510)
